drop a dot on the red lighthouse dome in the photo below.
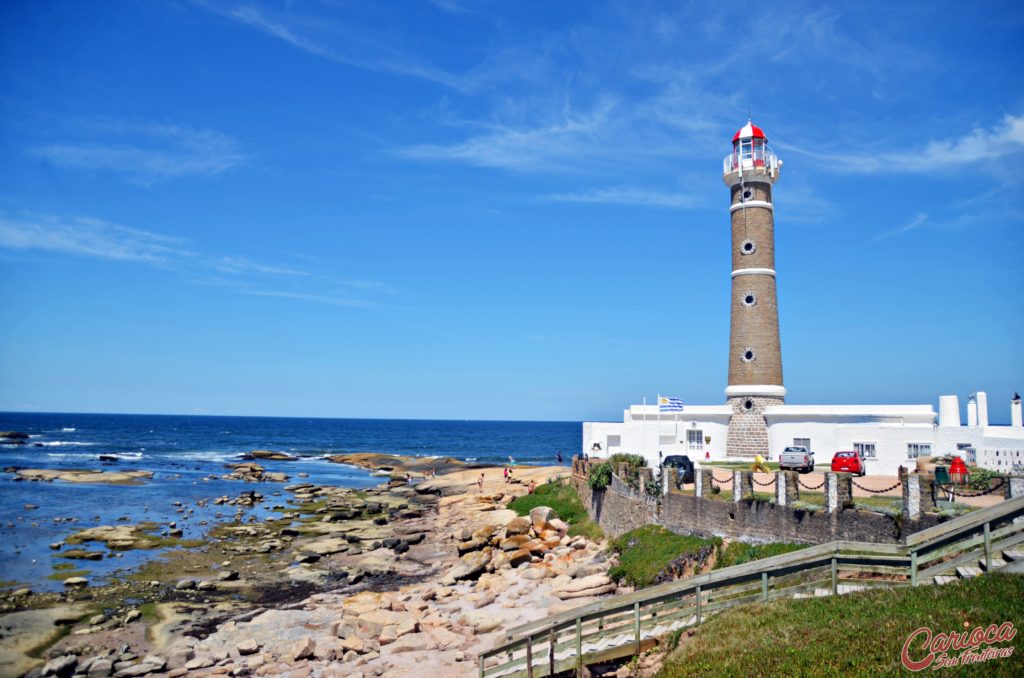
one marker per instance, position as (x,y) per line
(749,131)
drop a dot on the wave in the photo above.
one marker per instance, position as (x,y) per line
(65,443)
(125,456)
(68,430)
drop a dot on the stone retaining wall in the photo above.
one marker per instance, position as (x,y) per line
(735,513)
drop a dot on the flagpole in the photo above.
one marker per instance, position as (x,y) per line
(644,430)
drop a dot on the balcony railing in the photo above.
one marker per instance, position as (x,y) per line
(758,158)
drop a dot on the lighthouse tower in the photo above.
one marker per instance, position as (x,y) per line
(755,354)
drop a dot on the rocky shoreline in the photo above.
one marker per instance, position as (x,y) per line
(338,582)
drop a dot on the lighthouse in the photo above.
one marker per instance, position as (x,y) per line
(755,353)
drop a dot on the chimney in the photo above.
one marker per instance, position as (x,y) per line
(949,410)
(972,410)
(982,408)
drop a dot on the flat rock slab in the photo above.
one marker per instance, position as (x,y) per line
(86,476)
(22,631)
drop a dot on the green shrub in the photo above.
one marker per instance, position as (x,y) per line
(634,460)
(562,497)
(600,476)
(650,554)
(738,552)
(981,479)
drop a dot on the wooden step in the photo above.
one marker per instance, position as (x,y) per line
(941,579)
(965,572)
(1013,554)
(996,563)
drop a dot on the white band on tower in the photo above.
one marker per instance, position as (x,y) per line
(754,271)
(755,390)
(752,203)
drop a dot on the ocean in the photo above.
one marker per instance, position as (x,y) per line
(183,451)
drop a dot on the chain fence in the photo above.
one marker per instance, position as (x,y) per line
(952,491)
(867,489)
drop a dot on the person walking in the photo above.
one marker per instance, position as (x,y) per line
(558,456)
(480,482)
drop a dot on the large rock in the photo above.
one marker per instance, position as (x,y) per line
(471,565)
(61,666)
(540,516)
(413,642)
(591,585)
(517,558)
(304,648)
(247,647)
(480,621)
(514,543)
(520,525)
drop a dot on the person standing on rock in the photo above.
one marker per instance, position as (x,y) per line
(558,456)
(480,482)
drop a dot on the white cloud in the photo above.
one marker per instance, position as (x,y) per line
(354,48)
(88,237)
(978,145)
(918,219)
(146,151)
(98,239)
(624,195)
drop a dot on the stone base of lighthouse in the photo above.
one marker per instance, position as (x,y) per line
(748,431)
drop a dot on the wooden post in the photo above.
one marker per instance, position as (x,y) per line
(551,652)
(579,647)
(835,577)
(764,586)
(636,625)
(988,548)
(698,606)
(913,568)
(529,656)
(481,666)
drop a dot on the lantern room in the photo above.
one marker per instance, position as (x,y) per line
(750,151)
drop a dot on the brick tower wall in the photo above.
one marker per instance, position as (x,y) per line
(754,326)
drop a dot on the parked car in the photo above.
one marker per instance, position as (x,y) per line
(848,461)
(796,458)
(683,466)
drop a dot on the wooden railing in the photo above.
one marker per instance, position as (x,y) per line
(624,625)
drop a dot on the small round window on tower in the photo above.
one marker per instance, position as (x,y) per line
(748,194)
(750,299)
(748,404)
(748,247)
(748,355)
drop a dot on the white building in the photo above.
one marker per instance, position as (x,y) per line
(889,435)
(755,418)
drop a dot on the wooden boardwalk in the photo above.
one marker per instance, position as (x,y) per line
(622,626)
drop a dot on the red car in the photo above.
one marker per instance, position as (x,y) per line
(849,462)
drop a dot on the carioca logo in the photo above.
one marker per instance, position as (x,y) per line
(938,647)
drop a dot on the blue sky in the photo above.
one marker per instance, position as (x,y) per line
(507,210)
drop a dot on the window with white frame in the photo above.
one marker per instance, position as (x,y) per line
(970,454)
(867,450)
(915,450)
(695,439)
(614,441)
(802,442)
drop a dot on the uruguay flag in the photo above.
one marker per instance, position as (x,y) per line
(666,404)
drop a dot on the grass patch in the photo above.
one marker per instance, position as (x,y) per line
(738,552)
(587,528)
(149,613)
(859,634)
(61,575)
(644,553)
(562,497)
(889,505)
